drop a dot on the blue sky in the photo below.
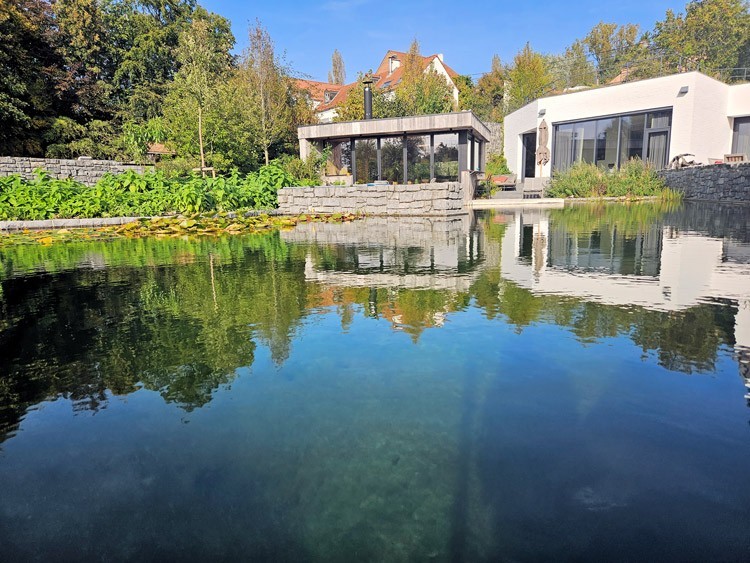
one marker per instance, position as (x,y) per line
(467,33)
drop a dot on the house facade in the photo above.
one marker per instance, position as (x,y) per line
(325,98)
(654,119)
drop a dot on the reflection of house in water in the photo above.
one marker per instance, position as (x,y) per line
(403,258)
(657,267)
(404,253)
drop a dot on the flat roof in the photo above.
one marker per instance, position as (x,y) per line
(624,85)
(436,123)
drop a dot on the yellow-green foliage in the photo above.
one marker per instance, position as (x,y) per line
(635,179)
(132,194)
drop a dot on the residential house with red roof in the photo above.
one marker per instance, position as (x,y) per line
(326,98)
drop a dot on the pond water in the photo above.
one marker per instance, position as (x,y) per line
(517,385)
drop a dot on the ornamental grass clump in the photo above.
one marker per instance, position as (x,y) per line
(635,179)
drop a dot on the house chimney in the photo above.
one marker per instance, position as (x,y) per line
(440,56)
(393,63)
(368,96)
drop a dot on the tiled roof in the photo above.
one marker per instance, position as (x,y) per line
(381,78)
(317,89)
(158,148)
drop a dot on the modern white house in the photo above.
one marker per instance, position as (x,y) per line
(654,119)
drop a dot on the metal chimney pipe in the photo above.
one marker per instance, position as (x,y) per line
(368,96)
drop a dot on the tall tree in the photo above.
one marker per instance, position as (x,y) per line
(203,54)
(491,92)
(572,68)
(337,74)
(81,41)
(611,47)
(149,31)
(529,77)
(27,100)
(353,107)
(712,34)
(270,90)
(422,90)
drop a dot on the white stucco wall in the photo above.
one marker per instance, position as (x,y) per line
(701,123)
(437,66)
(739,101)
(516,124)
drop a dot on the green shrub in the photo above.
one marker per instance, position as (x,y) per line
(496,164)
(305,172)
(133,194)
(635,179)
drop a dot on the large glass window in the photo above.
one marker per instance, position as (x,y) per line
(658,119)
(446,157)
(631,137)
(610,142)
(392,159)
(339,157)
(477,155)
(366,160)
(741,137)
(606,143)
(418,159)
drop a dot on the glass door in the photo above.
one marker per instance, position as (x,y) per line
(657,147)
(529,155)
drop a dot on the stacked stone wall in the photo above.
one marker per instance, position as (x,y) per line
(495,143)
(86,171)
(717,182)
(410,199)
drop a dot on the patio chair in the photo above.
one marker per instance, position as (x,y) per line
(504,181)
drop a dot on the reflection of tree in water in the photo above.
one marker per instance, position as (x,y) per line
(170,328)
(179,326)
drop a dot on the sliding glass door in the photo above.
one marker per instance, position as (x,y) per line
(741,137)
(609,142)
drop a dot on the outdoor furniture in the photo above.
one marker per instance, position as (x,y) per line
(504,181)
(682,161)
(735,158)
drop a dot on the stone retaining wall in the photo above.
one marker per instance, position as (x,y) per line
(495,143)
(417,199)
(86,171)
(717,182)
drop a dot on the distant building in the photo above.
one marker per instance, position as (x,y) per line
(325,98)
(654,119)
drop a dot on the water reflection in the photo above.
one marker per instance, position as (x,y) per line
(506,385)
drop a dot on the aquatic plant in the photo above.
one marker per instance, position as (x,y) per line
(170,227)
(132,194)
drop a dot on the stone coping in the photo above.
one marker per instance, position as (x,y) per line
(65,223)
(498,203)
(413,124)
